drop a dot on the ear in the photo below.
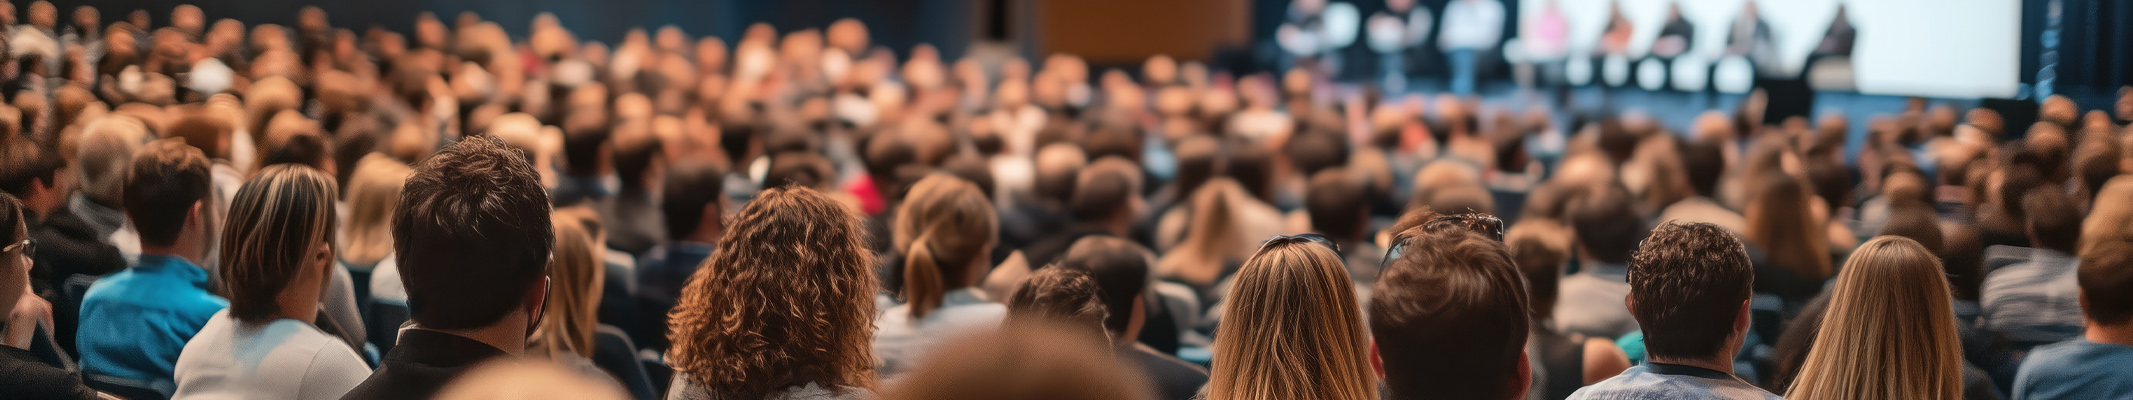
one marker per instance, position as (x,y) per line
(1525,375)
(536,298)
(1742,319)
(1377,363)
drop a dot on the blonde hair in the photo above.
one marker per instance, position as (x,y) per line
(373,193)
(1210,240)
(943,226)
(1889,332)
(1292,330)
(274,222)
(576,275)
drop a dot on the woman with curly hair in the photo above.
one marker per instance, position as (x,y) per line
(783,310)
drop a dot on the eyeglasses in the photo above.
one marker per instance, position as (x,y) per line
(28,247)
(1308,237)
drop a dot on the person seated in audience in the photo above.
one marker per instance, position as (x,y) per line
(1704,162)
(1069,297)
(472,238)
(1121,272)
(2034,302)
(1448,317)
(694,207)
(104,151)
(1889,332)
(947,230)
(1106,200)
(2092,365)
(1291,329)
(1218,229)
(735,333)
(570,319)
(277,260)
(1607,229)
(42,181)
(1025,360)
(21,372)
(587,149)
(135,322)
(639,160)
(1787,242)
(1338,204)
(365,242)
(1689,288)
(1561,363)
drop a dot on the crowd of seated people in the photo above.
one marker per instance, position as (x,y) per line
(221,210)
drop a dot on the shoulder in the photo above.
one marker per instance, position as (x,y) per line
(31,379)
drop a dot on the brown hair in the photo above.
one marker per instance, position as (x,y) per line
(275,221)
(1607,224)
(1450,277)
(1540,247)
(1028,361)
(1292,330)
(1064,295)
(943,227)
(2106,282)
(1780,221)
(1105,189)
(373,192)
(1687,284)
(1337,202)
(167,179)
(471,234)
(576,278)
(787,299)
(2053,220)
(1889,332)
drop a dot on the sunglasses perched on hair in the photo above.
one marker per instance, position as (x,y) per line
(1308,237)
(1487,225)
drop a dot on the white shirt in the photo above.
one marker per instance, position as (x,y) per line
(283,359)
(1471,24)
(900,342)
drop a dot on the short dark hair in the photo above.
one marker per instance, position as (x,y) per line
(10,216)
(690,186)
(1687,283)
(799,168)
(1917,222)
(168,178)
(1104,189)
(1450,278)
(2107,282)
(23,162)
(1832,182)
(582,144)
(635,156)
(1962,255)
(1120,268)
(309,149)
(1606,223)
(2054,223)
(1316,151)
(1113,141)
(1705,162)
(471,233)
(1336,200)
(1059,294)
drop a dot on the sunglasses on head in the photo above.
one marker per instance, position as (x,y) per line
(1487,225)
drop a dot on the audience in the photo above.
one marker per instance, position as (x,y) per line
(21,372)
(1121,272)
(947,230)
(693,204)
(275,272)
(1608,230)
(472,236)
(135,322)
(1069,297)
(1446,275)
(1689,289)
(1291,329)
(2089,366)
(1561,363)
(1889,332)
(2036,301)
(737,332)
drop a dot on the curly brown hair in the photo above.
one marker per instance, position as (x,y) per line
(786,300)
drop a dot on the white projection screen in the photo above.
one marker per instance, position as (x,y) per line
(1934,48)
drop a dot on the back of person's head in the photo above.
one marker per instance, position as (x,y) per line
(944,228)
(2111,215)
(105,149)
(2096,161)
(1199,159)
(799,168)
(472,235)
(1918,223)
(1444,278)
(637,152)
(1832,183)
(1338,203)
(373,193)
(1311,152)
(309,147)
(1057,294)
(1106,189)
(575,275)
(1889,332)
(693,191)
(1688,288)
(2106,283)
(1120,269)
(1034,361)
(1540,247)
(167,183)
(1781,221)
(1962,255)
(1292,330)
(1252,165)
(1113,141)
(1057,166)
(281,237)
(199,127)
(1607,224)
(2054,222)
(585,140)
(24,163)
(521,380)
(788,299)
(976,170)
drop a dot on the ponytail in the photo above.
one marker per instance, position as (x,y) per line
(923,278)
